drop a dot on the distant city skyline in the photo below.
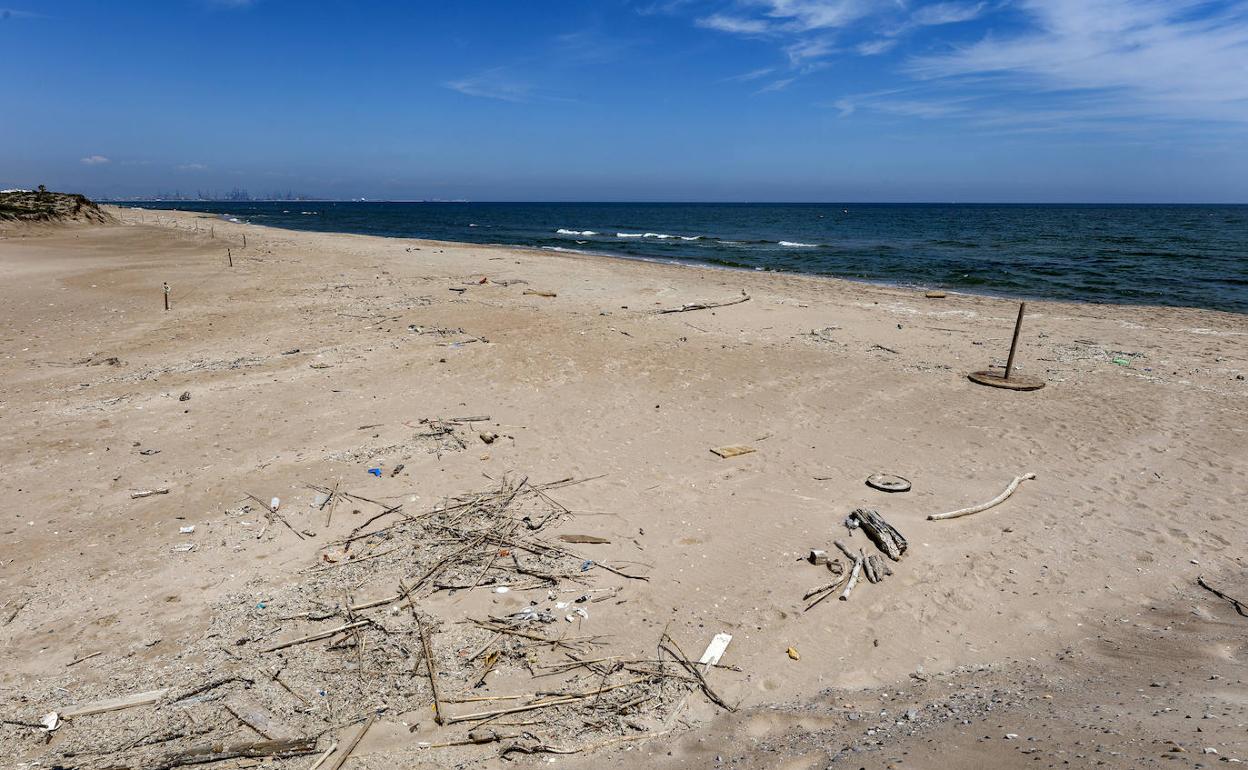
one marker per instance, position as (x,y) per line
(1115,101)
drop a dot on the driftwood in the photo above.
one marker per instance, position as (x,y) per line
(985,506)
(216,752)
(317,636)
(868,567)
(148,493)
(853,578)
(884,535)
(1236,603)
(115,704)
(688,306)
(878,566)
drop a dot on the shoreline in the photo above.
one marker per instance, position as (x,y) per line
(674,262)
(320,356)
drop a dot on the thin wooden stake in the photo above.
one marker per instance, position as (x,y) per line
(1018,326)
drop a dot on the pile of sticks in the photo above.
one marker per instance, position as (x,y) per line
(872,566)
(309,667)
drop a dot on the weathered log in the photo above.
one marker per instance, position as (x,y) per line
(884,535)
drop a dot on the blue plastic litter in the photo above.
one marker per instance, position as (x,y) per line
(587,565)
(375,471)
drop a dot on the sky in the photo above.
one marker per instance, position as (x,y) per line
(638,100)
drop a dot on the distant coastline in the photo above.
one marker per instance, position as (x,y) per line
(1183,255)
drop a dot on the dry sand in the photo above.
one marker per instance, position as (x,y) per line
(1067,617)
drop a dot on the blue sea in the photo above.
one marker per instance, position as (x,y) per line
(1186,255)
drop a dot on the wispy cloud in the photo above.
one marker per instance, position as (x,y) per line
(493,84)
(191,167)
(810,32)
(1178,59)
(95,160)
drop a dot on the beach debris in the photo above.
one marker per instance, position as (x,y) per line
(50,721)
(585,539)
(217,752)
(1236,603)
(888,482)
(715,649)
(136,494)
(274,504)
(539,293)
(853,577)
(1009,490)
(733,450)
(817,557)
(186,530)
(691,306)
(149,452)
(397,470)
(793,653)
(884,535)
(375,471)
(1008,380)
(317,643)
(186,396)
(935,294)
(290,352)
(115,704)
(487,437)
(183,548)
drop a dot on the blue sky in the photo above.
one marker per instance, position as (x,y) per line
(740,100)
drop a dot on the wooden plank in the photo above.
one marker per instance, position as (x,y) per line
(115,704)
(733,450)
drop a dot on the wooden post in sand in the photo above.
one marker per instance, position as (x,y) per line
(994,380)
(166,295)
(1018,327)
(230,256)
(244,240)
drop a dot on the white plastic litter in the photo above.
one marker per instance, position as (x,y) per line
(715,650)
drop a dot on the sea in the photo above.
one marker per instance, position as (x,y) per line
(1177,255)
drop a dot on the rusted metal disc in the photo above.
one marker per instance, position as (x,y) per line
(1015,382)
(887,482)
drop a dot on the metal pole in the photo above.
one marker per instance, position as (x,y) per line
(1018,326)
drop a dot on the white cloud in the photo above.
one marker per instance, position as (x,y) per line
(876,47)
(192,167)
(1184,59)
(946,13)
(492,84)
(734,24)
(95,160)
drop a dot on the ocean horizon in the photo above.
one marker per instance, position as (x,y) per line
(1182,255)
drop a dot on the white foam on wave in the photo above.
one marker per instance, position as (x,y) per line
(564,249)
(565,231)
(313,213)
(660,236)
(795,244)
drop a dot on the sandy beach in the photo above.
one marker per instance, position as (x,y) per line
(1064,627)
